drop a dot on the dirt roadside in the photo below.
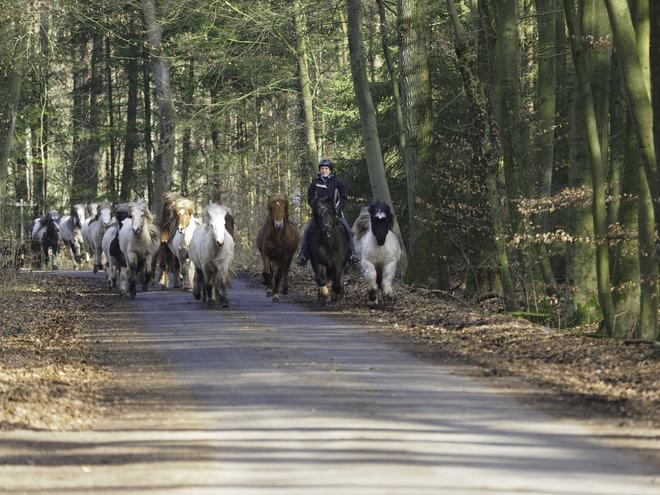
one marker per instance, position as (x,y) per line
(71,359)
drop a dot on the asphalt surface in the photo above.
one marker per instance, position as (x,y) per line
(289,400)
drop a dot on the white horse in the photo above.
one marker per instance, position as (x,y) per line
(211,251)
(93,232)
(378,247)
(88,244)
(139,240)
(71,233)
(180,242)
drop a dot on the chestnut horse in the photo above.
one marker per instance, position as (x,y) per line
(165,258)
(277,242)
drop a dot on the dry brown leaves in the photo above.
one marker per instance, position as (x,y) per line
(48,375)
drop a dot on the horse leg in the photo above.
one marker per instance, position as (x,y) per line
(337,286)
(284,270)
(176,269)
(69,247)
(222,290)
(369,271)
(145,269)
(321,282)
(198,284)
(54,257)
(267,275)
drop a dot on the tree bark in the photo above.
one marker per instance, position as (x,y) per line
(427,262)
(305,87)
(596,159)
(638,96)
(396,95)
(370,139)
(131,132)
(487,143)
(163,163)
(9,101)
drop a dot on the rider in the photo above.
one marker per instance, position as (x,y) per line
(325,185)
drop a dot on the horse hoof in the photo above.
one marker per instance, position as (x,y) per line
(285,290)
(145,287)
(185,289)
(225,304)
(54,267)
(276,298)
(269,293)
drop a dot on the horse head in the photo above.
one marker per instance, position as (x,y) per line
(382,220)
(52,221)
(184,209)
(93,209)
(278,209)
(215,217)
(104,214)
(78,214)
(324,213)
(139,213)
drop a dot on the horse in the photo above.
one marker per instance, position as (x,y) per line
(88,244)
(165,258)
(179,242)
(71,233)
(211,251)
(329,248)
(46,234)
(94,229)
(379,248)
(115,259)
(277,242)
(139,240)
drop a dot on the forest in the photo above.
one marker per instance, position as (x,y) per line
(515,139)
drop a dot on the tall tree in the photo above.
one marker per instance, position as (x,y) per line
(597,168)
(486,137)
(163,163)
(302,53)
(370,139)
(428,261)
(131,131)
(10,95)
(640,108)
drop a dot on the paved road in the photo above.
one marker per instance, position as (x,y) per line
(291,401)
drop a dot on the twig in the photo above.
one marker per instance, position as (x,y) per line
(652,343)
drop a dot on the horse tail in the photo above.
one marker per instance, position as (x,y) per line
(362,224)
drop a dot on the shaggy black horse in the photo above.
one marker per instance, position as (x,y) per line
(329,248)
(46,235)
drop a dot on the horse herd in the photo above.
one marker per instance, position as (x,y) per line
(199,251)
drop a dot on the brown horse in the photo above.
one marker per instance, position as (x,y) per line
(179,241)
(167,223)
(277,242)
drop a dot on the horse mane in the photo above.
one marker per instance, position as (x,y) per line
(166,215)
(141,204)
(92,209)
(119,211)
(215,209)
(46,218)
(180,203)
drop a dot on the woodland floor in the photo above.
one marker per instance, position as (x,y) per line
(55,373)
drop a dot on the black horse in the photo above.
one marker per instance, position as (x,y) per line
(329,248)
(46,235)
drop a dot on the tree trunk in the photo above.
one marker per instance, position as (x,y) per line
(370,139)
(163,163)
(546,94)
(393,78)
(131,132)
(148,141)
(428,262)
(305,86)
(596,160)
(111,186)
(9,101)
(489,153)
(641,112)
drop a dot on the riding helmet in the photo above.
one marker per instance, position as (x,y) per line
(326,163)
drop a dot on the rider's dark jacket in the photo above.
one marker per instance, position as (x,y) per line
(332,187)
